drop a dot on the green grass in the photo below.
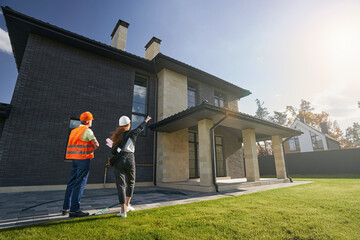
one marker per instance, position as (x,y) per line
(328,208)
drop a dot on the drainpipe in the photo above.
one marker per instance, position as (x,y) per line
(213,159)
(155,120)
(287,173)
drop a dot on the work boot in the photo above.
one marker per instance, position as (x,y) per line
(78,214)
(64,212)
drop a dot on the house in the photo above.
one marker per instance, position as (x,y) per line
(311,139)
(197,135)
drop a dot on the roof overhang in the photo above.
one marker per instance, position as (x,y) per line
(235,122)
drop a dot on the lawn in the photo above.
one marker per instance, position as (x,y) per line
(328,208)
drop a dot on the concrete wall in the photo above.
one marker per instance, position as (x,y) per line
(344,161)
(172,148)
(233,153)
(57,82)
(206,92)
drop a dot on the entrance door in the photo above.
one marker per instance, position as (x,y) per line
(194,156)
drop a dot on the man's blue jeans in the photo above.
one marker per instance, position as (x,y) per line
(76,185)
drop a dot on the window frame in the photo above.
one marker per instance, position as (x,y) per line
(296,142)
(315,140)
(218,96)
(194,87)
(146,80)
(67,140)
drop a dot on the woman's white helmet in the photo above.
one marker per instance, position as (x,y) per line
(124,120)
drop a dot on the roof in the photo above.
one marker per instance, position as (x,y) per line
(5,110)
(308,126)
(235,122)
(20,26)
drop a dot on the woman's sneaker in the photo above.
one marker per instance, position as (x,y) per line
(130,208)
(122,214)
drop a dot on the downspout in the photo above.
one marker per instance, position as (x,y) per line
(155,120)
(283,149)
(213,159)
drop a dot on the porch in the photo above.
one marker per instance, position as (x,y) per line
(244,131)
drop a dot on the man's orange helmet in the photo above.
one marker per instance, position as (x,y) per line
(86,116)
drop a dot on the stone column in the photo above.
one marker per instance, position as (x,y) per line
(205,152)
(250,152)
(279,157)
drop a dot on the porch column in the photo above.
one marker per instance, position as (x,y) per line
(205,152)
(279,157)
(250,152)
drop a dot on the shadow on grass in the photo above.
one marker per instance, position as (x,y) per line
(61,222)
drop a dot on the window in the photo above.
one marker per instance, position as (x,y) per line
(193,155)
(139,109)
(219,100)
(191,95)
(74,123)
(316,141)
(294,144)
(220,163)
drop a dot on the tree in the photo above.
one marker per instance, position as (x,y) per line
(261,112)
(279,118)
(314,119)
(353,135)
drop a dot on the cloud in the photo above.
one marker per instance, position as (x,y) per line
(340,101)
(5,45)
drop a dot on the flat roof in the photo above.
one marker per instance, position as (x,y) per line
(235,122)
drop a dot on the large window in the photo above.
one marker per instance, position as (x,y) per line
(193,155)
(192,96)
(74,123)
(140,106)
(294,144)
(316,141)
(220,163)
(219,100)
(194,169)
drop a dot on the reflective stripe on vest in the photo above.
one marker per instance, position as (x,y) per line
(77,148)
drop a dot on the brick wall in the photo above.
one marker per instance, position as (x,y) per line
(57,82)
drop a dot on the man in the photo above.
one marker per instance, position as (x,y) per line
(81,146)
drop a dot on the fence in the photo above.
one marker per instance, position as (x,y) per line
(344,161)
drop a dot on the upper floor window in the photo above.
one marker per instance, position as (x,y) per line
(191,95)
(316,141)
(294,144)
(140,105)
(219,100)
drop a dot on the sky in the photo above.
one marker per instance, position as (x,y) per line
(282,51)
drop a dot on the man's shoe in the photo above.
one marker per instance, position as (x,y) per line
(78,214)
(122,214)
(130,208)
(64,212)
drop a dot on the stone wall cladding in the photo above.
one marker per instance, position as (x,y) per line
(57,82)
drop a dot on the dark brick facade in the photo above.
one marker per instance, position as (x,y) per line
(57,82)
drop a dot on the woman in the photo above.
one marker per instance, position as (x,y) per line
(123,143)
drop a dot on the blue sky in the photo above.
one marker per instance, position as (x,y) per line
(282,51)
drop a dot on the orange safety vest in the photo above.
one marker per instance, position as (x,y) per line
(78,149)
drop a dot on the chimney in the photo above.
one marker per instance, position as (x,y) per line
(119,34)
(302,119)
(324,128)
(152,48)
